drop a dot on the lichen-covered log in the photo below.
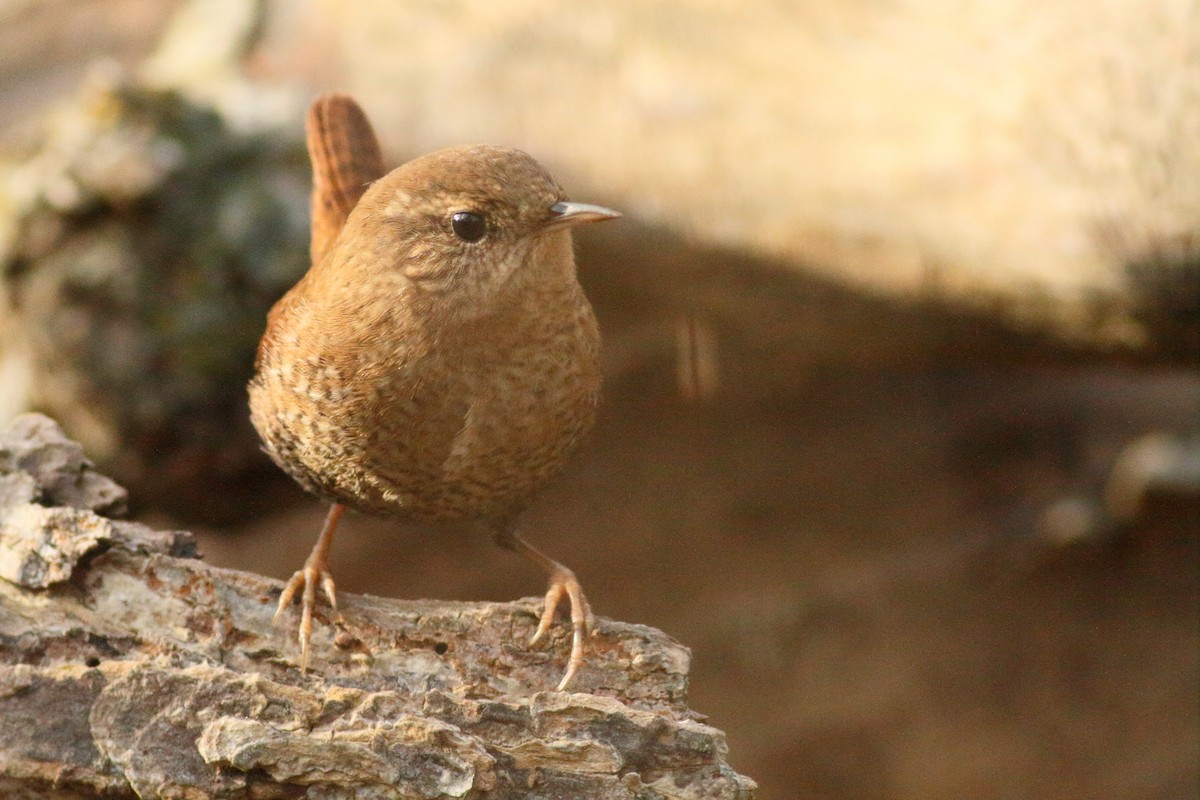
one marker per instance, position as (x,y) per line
(128,667)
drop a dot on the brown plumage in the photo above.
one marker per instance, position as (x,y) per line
(345,160)
(440,361)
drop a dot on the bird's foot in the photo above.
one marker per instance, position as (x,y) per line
(314,573)
(564,582)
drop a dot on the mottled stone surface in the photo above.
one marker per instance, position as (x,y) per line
(128,668)
(52,469)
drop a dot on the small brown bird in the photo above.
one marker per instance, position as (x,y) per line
(440,360)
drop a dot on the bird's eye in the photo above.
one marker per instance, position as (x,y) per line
(468,225)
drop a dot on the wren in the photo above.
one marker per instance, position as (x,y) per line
(439,361)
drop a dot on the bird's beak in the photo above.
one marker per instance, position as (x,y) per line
(565,214)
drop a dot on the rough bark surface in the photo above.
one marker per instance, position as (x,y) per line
(128,667)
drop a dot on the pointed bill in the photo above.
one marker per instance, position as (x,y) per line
(567,214)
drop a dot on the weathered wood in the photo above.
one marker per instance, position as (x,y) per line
(129,667)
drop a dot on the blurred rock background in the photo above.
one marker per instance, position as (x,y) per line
(902,331)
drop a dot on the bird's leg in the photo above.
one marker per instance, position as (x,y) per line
(562,581)
(315,571)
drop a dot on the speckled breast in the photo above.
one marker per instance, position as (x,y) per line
(435,437)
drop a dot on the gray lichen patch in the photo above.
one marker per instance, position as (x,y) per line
(40,546)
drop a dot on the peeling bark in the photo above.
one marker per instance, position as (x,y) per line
(128,667)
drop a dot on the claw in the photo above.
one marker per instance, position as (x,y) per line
(308,578)
(330,594)
(288,593)
(563,581)
(313,574)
